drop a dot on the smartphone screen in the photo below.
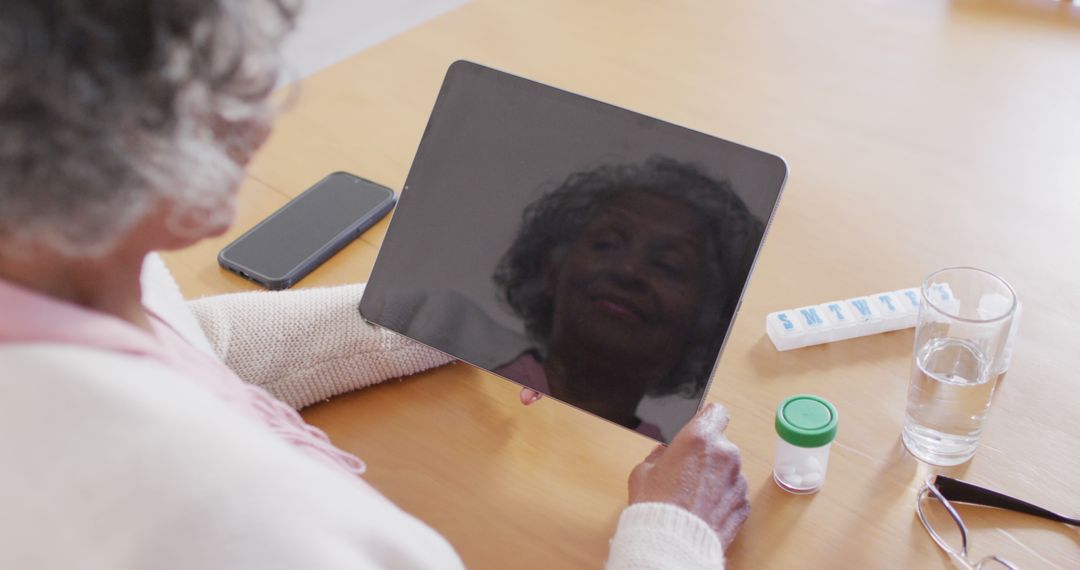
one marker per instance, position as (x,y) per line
(291,242)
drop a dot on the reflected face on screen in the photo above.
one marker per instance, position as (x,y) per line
(625,277)
(628,289)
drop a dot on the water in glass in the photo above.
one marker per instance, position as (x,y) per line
(948,398)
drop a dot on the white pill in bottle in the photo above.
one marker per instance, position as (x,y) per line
(805,426)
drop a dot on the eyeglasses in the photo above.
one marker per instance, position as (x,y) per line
(945,526)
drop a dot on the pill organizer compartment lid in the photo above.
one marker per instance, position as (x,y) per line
(805,420)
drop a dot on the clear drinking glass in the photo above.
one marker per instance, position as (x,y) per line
(965,319)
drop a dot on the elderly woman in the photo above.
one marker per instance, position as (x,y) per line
(626,277)
(139,431)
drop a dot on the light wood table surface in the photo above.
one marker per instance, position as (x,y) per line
(919,135)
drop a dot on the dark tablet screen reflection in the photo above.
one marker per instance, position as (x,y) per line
(579,249)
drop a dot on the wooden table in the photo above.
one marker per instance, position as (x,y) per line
(919,135)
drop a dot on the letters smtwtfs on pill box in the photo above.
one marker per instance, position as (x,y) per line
(850,318)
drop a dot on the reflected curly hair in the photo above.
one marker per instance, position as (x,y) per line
(108,106)
(553,222)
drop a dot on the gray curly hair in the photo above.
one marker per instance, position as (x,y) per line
(557,218)
(109,106)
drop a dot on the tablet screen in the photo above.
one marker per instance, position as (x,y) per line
(585,251)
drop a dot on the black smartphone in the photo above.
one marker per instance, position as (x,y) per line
(293,241)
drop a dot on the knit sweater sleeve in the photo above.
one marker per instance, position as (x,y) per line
(655,536)
(307,345)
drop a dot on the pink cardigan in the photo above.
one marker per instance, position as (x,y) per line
(32,317)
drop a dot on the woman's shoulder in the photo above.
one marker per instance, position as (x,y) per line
(59,378)
(126,447)
(101,407)
(72,401)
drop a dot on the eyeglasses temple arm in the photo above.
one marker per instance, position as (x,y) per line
(964,492)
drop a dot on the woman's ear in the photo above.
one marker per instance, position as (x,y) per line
(187,223)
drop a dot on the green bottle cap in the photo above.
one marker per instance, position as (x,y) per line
(806,421)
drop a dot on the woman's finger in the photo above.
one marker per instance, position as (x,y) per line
(529,396)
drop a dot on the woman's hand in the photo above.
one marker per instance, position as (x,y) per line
(700,471)
(529,396)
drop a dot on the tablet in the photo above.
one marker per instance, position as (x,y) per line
(583,250)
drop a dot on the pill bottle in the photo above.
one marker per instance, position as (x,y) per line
(806,427)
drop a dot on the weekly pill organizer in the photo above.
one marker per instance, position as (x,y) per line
(851,318)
